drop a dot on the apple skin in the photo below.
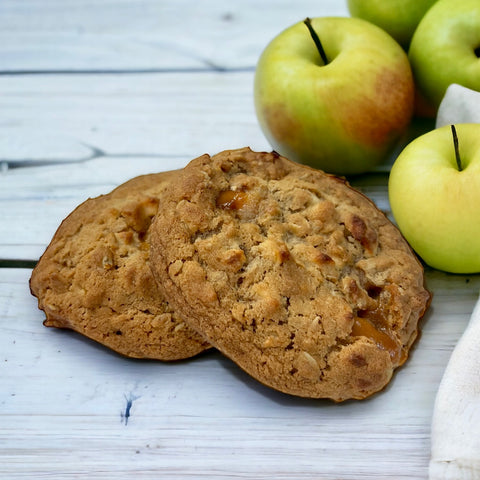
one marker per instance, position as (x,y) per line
(399,18)
(436,206)
(344,117)
(443,47)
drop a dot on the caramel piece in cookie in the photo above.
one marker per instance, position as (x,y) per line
(290,272)
(95,276)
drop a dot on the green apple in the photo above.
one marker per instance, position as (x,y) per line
(445,48)
(399,18)
(343,115)
(435,197)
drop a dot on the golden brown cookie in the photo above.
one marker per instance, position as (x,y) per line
(290,272)
(95,278)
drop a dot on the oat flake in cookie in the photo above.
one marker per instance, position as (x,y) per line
(95,278)
(290,272)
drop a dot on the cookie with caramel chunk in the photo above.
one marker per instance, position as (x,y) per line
(290,272)
(95,277)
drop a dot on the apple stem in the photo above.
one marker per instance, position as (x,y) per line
(457,149)
(316,40)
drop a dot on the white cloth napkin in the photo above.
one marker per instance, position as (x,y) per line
(455,431)
(459,105)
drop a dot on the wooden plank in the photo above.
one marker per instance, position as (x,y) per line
(76,117)
(124,35)
(64,402)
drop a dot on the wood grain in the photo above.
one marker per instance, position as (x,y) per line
(144,35)
(80,117)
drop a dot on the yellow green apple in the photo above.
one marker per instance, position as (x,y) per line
(342,113)
(399,18)
(434,193)
(445,48)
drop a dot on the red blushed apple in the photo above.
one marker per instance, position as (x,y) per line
(342,112)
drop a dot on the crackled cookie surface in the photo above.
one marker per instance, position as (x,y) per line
(288,271)
(95,278)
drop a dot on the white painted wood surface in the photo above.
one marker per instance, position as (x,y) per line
(130,35)
(91,94)
(64,402)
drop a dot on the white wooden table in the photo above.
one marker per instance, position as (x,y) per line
(92,94)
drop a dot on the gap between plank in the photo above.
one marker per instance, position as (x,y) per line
(6,263)
(211,68)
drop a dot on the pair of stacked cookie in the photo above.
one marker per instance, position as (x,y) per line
(288,271)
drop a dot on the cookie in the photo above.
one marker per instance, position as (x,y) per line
(95,278)
(290,272)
